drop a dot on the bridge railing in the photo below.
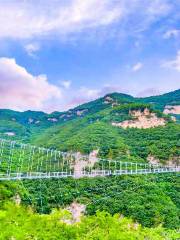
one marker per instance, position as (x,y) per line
(21,161)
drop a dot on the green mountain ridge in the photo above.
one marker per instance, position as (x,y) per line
(89,126)
(172,98)
(150,200)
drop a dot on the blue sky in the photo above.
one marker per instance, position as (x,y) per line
(57,54)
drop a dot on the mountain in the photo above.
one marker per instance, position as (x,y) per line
(117,125)
(171,98)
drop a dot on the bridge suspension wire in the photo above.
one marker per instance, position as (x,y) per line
(24,161)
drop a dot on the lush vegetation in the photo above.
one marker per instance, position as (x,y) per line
(133,144)
(152,200)
(20,224)
(94,131)
(29,125)
(172,98)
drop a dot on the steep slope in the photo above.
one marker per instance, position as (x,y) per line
(169,103)
(99,125)
(171,98)
(96,131)
(24,125)
(151,200)
(52,226)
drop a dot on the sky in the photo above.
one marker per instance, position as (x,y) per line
(58,54)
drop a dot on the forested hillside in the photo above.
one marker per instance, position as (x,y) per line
(117,125)
(124,207)
(171,98)
(50,227)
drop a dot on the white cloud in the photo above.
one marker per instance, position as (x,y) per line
(66,84)
(32,48)
(29,19)
(89,93)
(173,64)
(86,94)
(21,90)
(171,33)
(137,67)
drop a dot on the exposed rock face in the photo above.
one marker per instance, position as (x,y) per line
(108,100)
(69,115)
(152,160)
(172,109)
(173,118)
(30,120)
(62,116)
(93,157)
(77,210)
(17,199)
(142,119)
(52,119)
(81,163)
(172,162)
(10,134)
(175,161)
(81,112)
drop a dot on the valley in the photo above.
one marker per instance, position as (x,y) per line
(115,127)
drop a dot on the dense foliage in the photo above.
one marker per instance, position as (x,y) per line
(134,144)
(20,224)
(150,200)
(94,131)
(172,98)
(30,124)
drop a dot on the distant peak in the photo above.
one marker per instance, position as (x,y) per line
(116,94)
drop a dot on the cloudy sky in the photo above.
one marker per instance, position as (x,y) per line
(60,53)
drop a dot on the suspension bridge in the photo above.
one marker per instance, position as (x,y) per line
(24,161)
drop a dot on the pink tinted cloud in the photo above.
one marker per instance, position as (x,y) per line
(21,90)
(85,94)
